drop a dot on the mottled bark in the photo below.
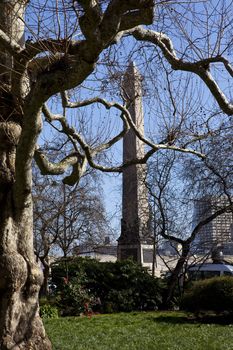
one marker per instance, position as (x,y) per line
(20,280)
(20,275)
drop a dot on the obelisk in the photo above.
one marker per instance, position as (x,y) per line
(135,227)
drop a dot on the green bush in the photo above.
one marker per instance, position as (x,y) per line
(74,299)
(213,294)
(48,311)
(105,286)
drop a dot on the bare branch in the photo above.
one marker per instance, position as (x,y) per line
(118,12)
(91,19)
(228,66)
(125,112)
(90,153)
(79,169)
(9,44)
(49,168)
(50,116)
(201,68)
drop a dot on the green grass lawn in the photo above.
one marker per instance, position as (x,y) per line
(138,331)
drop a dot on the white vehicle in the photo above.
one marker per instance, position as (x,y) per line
(202,271)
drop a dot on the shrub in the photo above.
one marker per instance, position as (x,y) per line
(74,299)
(107,287)
(213,294)
(48,311)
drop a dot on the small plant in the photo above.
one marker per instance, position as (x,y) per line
(48,311)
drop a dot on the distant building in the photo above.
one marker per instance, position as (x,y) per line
(169,248)
(108,253)
(217,233)
(102,252)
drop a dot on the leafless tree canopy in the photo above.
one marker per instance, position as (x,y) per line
(61,64)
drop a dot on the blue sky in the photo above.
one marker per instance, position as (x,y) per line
(187,90)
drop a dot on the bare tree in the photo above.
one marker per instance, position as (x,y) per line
(65,41)
(44,212)
(176,183)
(64,217)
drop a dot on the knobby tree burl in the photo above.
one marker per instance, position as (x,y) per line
(33,71)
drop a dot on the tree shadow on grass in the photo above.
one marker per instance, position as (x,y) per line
(192,319)
(173,319)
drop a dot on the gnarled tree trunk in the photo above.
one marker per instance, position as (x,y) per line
(20,276)
(20,280)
